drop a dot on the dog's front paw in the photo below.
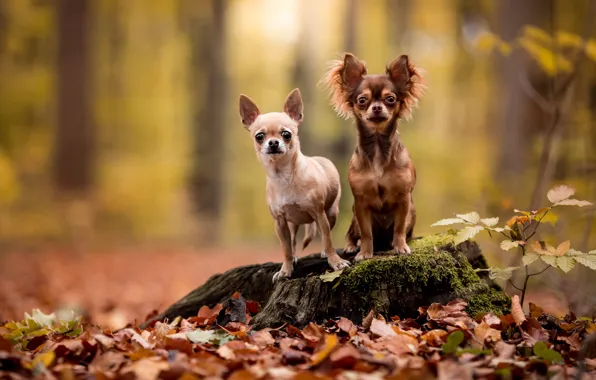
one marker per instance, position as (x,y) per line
(339,264)
(350,248)
(363,256)
(402,248)
(282,274)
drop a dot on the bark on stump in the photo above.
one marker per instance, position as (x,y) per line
(436,271)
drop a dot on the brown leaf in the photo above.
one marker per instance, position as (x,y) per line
(573,341)
(181,345)
(434,337)
(453,309)
(206,315)
(5,345)
(368,320)
(146,369)
(110,361)
(535,311)
(517,311)
(325,350)
(533,331)
(347,326)
(345,356)
(381,328)
(253,307)
(313,333)
(486,334)
(262,338)
(492,320)
(400,344)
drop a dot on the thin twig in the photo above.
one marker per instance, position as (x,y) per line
(537,273)
(538,224)
(512,284)
(533,94)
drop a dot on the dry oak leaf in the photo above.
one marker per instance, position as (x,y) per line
(206,315)
(313,333)
(486,334)
(517,311)
(381,328)
(434,337)
(345,356)
(347,326)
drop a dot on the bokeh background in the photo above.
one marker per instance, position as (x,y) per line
(126,178)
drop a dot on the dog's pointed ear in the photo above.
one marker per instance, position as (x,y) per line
(248,111)
(399,70)
(353,70)
(293,105)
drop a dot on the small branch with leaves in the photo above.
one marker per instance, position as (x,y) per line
(518,235)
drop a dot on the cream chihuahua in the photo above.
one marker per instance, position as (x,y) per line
(300,189)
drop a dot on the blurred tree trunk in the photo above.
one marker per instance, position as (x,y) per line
(343,145)
(210,86)
(520,117)
(399,23)
(305,78)
(75,139)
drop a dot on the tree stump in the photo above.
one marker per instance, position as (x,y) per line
(436,271)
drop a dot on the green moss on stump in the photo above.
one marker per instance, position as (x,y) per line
(436,271)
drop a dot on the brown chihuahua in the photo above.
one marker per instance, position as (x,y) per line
(381,174)
(300,189)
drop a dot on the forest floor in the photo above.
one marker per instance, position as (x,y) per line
(111,290)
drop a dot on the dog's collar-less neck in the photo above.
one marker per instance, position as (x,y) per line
(283,170)
(371,143)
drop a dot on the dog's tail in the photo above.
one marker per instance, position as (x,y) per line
(310,231)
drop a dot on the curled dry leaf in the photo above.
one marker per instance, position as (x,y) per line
(381,328)
(367,321)
(517,311)
(347,326)
(330,343)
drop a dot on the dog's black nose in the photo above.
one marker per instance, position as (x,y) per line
(274,143)
(376,108)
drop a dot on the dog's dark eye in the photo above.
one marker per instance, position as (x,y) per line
(362,100)
(259,137)
(390,99)
(286,135)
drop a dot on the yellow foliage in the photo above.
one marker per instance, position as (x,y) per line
(487,42)
(591,49)
(537,34)
(551,62)
(568,39)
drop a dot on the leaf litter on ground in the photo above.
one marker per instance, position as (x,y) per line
(442,342)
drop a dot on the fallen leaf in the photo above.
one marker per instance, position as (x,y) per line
(262,338)
(331,276)
(200,336)
(207,316)
(345,356)
(323,352)
(313,333)
(434,337)
(146,369)
(347,326)
(486,334)
(516,310)
(367,321)
(381,328)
